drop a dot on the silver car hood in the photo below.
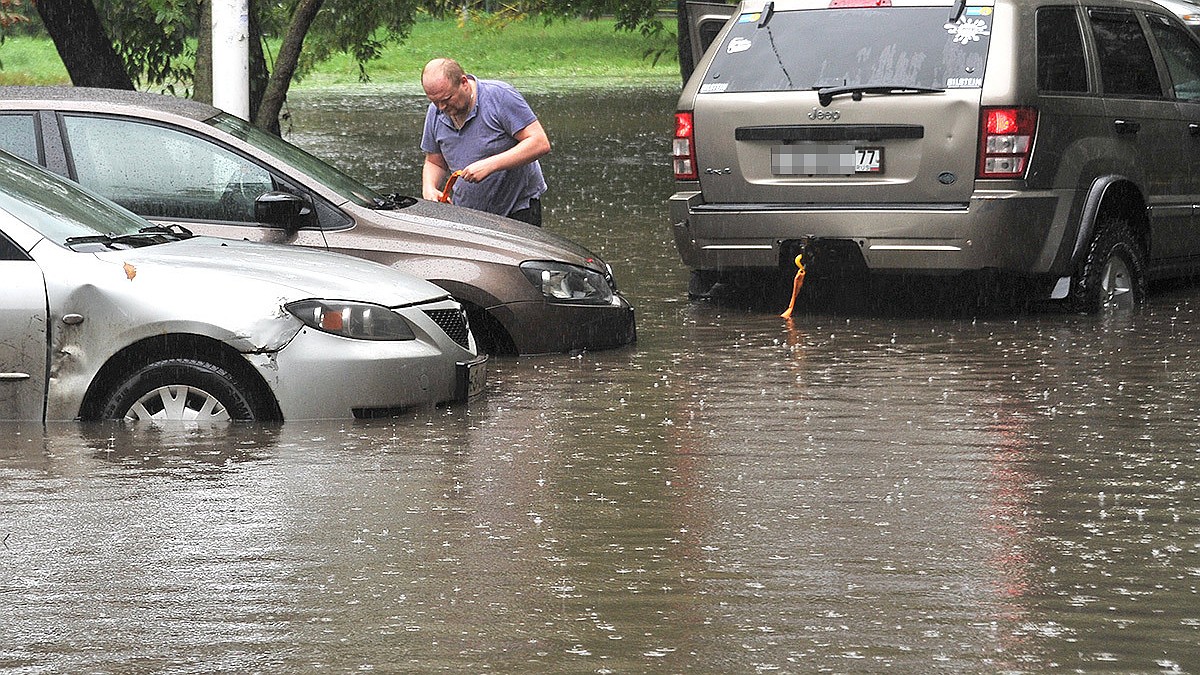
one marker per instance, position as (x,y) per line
(505,239)
(295,272)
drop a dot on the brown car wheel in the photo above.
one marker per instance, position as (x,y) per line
(1113,274)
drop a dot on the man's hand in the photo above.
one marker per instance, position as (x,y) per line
(433,176)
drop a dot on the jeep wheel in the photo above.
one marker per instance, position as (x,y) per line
(181,390)
(1113,275)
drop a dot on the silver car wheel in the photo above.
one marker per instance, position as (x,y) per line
(178,403)
(184,390)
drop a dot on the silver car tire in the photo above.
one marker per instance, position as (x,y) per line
(181,390)
(1113,275)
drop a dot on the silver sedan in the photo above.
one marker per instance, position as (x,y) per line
(106,316)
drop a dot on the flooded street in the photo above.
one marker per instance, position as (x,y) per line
(891,489)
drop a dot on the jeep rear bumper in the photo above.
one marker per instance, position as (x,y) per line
(1023,232)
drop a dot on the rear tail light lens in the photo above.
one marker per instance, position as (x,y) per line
(683,148)
(1006,141)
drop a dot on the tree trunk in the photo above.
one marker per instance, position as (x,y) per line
(83,44)
(258,64)
(202,79)
(285,65)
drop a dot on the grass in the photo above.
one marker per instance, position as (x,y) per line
(562,52)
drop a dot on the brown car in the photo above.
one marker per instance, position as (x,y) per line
(180,162)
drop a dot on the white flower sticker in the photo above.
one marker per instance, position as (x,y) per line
(968,30)
(738,45)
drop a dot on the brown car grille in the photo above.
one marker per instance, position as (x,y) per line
(454,322)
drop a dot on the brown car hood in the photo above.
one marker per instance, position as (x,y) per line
(443,230)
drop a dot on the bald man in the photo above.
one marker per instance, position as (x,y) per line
(485,130)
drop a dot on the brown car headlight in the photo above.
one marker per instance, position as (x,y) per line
(560,282)
(357,320)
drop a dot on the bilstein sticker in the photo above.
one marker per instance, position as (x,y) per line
(738,45)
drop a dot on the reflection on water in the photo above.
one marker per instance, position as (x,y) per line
(866,488)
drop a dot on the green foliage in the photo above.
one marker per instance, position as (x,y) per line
(502,46)
(12,12)
(153,37)
(360,29)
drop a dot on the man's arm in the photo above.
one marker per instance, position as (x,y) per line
(433,176)
(532,144)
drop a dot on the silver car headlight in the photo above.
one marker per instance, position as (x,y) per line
(568,283)
(357,320)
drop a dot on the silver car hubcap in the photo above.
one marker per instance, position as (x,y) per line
(179,403)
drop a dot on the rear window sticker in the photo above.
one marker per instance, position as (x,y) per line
(968,30)
(714,87)
(751,17)
(979,11)
(738,44)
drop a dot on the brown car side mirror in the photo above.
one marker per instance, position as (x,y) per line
(283,209)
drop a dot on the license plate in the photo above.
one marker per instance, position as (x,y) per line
(825,160)
(472,377)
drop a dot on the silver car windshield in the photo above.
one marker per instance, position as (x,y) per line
(330,177)
(885,47)
(59,209)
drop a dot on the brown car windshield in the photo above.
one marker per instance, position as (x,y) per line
(332,178)
(884,48)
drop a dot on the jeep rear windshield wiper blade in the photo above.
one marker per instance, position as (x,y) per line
(825,94)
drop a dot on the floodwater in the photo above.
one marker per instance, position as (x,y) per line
(895,486)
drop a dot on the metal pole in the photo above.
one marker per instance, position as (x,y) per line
(231,56)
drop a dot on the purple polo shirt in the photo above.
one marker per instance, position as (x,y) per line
(500,112)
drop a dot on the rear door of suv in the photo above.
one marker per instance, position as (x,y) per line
(810,102)
(1180,54)
(1145,124)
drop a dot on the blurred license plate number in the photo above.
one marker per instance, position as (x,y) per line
(825,160)
(472,378)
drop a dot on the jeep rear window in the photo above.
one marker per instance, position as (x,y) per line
(892,46)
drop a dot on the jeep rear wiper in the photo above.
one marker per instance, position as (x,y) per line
(825,95)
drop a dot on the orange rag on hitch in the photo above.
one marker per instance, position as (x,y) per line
(796,284)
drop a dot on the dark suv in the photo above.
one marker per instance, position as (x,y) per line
(1054,141)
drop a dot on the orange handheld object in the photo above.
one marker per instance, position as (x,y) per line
(445,196)
(796,284)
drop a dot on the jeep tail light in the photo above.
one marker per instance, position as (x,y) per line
(683,148)
(1005,142)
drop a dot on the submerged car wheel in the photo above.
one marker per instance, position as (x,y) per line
(181,390)
(1112,275)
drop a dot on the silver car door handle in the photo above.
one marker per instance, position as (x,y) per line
(1126,127)
(13,377)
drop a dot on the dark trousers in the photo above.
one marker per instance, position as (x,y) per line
(532,214)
